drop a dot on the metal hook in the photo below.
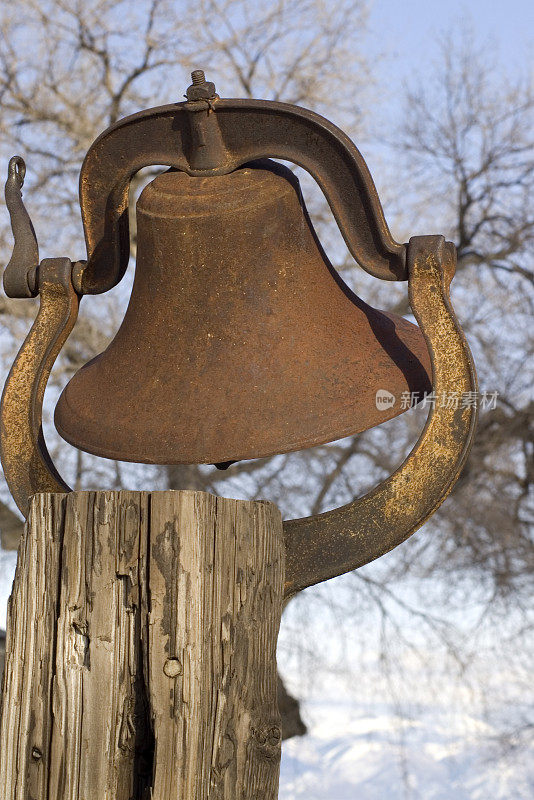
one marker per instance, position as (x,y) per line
(20,275)
(17,170)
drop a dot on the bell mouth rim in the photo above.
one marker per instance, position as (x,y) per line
(290,446)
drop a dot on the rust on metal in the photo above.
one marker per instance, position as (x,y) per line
(200,88)
(250,130)
(260,340)
(27,466)
(240,340)
(204,147)
(20,275)
(330,544)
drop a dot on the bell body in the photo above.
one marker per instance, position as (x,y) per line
(240,340)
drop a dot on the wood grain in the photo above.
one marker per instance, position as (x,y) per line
(216,588)
(98,648)
(30,654)
(140,653)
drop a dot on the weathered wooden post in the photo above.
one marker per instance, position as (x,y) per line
(140,657)
(140,616)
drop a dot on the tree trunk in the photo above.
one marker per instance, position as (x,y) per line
(141,647)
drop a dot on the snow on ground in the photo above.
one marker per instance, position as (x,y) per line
(411,721)
(350,755)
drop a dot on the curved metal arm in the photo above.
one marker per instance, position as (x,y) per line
(330,544)
(250,130)
(27,465)
(20,274)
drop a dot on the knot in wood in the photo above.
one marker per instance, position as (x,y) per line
(172,668)
(268,739)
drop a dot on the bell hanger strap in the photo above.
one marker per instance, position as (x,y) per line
(216,136)
(205,135)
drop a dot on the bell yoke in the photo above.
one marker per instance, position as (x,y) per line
(240,340)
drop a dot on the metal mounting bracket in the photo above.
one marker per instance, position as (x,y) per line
(321,546)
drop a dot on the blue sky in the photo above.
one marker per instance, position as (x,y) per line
(406,29)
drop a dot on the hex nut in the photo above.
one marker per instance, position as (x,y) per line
(201,91)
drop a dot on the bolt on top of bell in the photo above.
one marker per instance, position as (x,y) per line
(200,88)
